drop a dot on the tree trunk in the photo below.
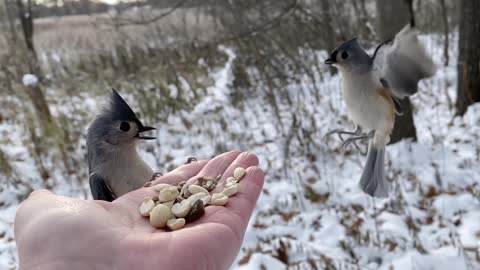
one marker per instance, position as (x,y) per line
(329,33)
(446,31)
(468,87)
(393,15)
(34,92)
(25,16)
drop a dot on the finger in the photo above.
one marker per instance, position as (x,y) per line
(217,165)
(182,173)
(236,213)
(246,198)
(37,199)
(34,199)
(39,193)
(244,160)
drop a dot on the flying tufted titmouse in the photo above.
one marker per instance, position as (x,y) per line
(113,162)
(372,86)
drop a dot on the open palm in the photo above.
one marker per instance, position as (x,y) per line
(55,232)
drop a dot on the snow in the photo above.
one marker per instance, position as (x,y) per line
(29,80)
(414,260)
(259,261)
(311,213)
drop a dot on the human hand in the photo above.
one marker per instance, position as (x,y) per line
(56,232)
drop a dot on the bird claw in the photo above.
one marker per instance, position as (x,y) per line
(340,132)
(347,142)
(190,160)
(353,140)
(155,175)
(356,135)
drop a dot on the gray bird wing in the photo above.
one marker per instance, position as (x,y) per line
(401,63)
(99,188)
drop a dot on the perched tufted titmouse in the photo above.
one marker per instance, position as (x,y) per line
(114,165)
(372,87)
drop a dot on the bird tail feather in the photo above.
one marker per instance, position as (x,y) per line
(373,180)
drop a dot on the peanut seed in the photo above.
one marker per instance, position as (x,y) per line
(181,209)
(159,187)
(175,224)
(238,173)
(208,178)
(207,184)
(184,192)
(168,194)
(159,216)
(147,205)
(230,182)
(219,199)
(195,197)
(196,211)
(194,189)
(180,185)
(169,204)
(231,190)
(206,200)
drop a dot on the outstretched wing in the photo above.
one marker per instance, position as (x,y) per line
(401,63)
(99,188)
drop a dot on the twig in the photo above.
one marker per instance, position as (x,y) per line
(263,27)
(127,22)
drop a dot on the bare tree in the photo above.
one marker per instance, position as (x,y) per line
(392,16)
(329,34)
(468,88)
(446,31)
(25,16)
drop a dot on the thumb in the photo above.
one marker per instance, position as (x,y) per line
(39,192)
(29,207)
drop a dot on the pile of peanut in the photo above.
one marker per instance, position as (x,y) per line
(176,205)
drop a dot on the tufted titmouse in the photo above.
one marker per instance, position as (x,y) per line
(372,86)
(113,162)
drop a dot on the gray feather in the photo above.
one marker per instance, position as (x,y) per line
(100,189)
(373,180)
(403,63)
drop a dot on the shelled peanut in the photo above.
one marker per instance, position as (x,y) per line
(174,206)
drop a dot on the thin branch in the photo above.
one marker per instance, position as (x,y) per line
(263,27)
(127,22)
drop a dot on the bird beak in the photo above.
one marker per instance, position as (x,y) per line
(329,61)
(144,129)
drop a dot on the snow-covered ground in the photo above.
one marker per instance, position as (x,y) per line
(311,214)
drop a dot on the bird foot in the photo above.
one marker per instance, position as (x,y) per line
(340,132)
(353,140)
(190,160)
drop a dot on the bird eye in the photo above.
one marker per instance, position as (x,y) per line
(124,126)
(344,55)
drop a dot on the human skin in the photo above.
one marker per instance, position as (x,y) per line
(57,232)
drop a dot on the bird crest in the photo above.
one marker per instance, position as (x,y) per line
(119,109)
